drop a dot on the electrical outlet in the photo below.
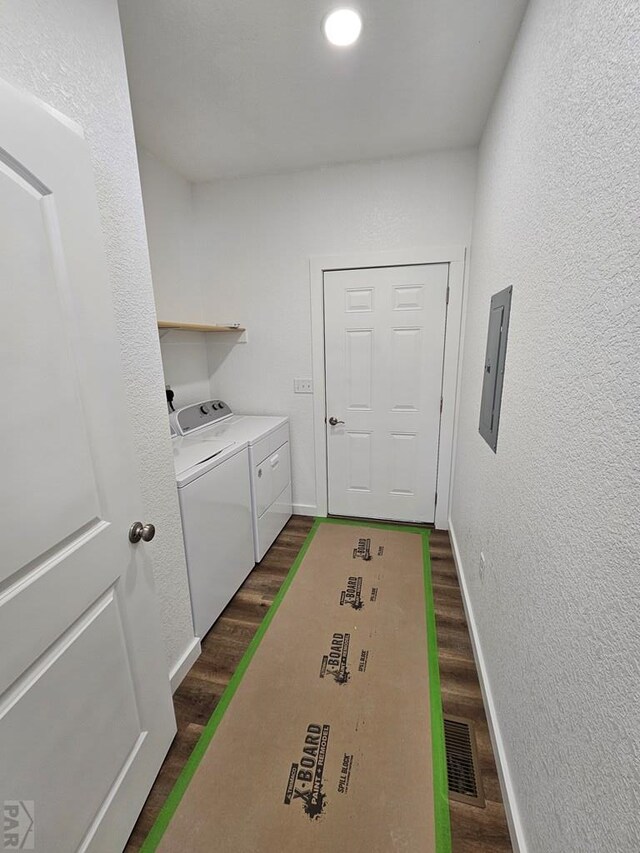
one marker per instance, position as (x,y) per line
(303,386)
(483,565)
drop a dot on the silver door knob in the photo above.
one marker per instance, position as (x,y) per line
(334,421)
(139,531)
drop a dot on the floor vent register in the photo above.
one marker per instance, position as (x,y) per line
(465,783)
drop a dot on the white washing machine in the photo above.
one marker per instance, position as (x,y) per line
(214,491)
(267,438)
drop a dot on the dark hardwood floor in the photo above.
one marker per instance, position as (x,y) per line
(474,830)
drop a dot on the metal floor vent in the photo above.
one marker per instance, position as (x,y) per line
(465,783)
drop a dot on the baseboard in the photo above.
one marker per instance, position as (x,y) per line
(508,794)
(187,660)
(305,509)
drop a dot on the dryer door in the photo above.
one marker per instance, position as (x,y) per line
(272,476)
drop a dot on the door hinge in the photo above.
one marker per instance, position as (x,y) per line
(440,405)
(448,291)
(436,500)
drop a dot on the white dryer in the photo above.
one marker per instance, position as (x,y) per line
(267,438)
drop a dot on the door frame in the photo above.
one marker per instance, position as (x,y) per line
(455,257)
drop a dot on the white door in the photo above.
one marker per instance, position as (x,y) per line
(85,706)
(384,347)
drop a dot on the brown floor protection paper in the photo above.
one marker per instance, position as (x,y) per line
(326,744)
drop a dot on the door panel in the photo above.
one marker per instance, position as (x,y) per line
(384,346)
(42,410)
(359,346)
(408,297)
(85,705)
(404,463)
(100,726)
(359,300)
(359,456)
(406,346)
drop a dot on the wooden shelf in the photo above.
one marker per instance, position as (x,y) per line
(197,327)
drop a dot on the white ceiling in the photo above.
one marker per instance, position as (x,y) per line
(235,87)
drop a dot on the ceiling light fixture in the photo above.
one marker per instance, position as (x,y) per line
(342,27)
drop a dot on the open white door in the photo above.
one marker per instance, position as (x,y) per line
(85,708)
(384,349)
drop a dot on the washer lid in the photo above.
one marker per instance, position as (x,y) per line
(246,428)
(189,452)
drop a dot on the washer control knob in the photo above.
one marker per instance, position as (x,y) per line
(204,410)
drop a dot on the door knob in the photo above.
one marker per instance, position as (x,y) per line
(334,421)
(139,531)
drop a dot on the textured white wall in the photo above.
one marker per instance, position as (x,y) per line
(169,217)
(69,54)
(556,511)
(255,237)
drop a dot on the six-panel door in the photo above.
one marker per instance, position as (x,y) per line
(85,706)
(384,345)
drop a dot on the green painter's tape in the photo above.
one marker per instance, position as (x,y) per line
(380,525)
(443,832)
